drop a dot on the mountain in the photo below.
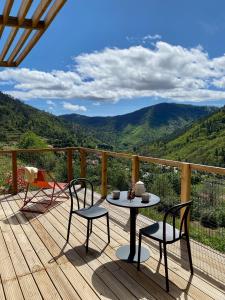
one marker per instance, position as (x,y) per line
(203,142)
(142,127)
(17,118)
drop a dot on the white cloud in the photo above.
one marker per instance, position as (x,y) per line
(143,40)
(73,107)
(51,103)
(152,37)
(164,71)
(96,103)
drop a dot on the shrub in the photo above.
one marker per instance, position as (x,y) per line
(210,219)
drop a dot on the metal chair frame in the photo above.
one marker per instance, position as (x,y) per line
(173,211)
(42,185)
(73,189)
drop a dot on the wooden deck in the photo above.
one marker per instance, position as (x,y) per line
(36,263)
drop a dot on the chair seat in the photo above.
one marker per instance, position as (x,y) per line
(92,212)
(155,231)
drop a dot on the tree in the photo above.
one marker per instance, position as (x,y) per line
(30,140)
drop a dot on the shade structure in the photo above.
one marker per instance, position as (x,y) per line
(20,32)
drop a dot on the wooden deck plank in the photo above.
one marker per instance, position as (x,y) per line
(47,288)
(55,250)
(214,291)
(30,256)
(2,294)
(105,275)
(159,284)
(149,286)
(12,290)
(6,267)
(29,288)
(52,269)
(183,283)
(17,257)
(209,263)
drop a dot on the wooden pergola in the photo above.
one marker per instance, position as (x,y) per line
(24,32)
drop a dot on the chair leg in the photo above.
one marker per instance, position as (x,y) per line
(160,250)
(139,251)
(166,267)
(189,253)
(69,224)
(88,231)
(91,227)
(107,217)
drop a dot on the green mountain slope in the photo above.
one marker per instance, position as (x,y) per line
(134,130)
(203,143)
(17,118)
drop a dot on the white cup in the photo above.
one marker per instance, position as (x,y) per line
(145,197)
(116,194)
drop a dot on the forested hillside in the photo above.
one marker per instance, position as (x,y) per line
(17,118)
(135,130)
(203,143)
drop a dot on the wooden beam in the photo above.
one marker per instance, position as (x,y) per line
(43,5)
(49,18)
(135,169)
(21,16)
(6,12)
(19,45)
(8,43)
(25,6)
(83,163)
(7,64)
(104,175)
(69,164)
(185,184)
(40,11)
(14,172)
(27,23)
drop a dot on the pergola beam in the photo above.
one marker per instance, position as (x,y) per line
(20,51)
(27,23)
(48,19)
(6,12)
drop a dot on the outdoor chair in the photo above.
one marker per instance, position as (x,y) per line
(165,234)
(43,181)
(91,212)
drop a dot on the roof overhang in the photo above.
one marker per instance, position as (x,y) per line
(13,53)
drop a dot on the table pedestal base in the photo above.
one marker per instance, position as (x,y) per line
(123,253)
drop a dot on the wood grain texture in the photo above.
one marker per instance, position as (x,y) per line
(37,263)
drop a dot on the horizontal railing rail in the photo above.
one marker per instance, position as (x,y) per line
(185,167)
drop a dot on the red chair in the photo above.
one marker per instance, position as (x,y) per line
(44,181)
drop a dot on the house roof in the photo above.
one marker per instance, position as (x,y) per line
(24,32)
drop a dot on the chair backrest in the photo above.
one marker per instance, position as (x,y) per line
(78,184)
(175,212)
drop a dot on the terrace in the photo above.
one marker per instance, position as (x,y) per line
(36,261)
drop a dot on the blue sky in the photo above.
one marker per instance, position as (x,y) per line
(108,57)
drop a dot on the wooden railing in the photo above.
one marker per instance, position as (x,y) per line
(186,168)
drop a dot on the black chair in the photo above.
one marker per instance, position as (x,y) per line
(90,212)
(165,234)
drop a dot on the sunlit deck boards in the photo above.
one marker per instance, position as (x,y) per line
(24,31)
(36,262)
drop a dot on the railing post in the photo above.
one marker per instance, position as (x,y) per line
(83,163)
(185,197)
(135,169)
(69,164)
(104,175)
(185,185)
(14,173)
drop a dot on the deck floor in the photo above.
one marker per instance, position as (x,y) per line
(37,263)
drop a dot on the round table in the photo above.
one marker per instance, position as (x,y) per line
(129,252)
